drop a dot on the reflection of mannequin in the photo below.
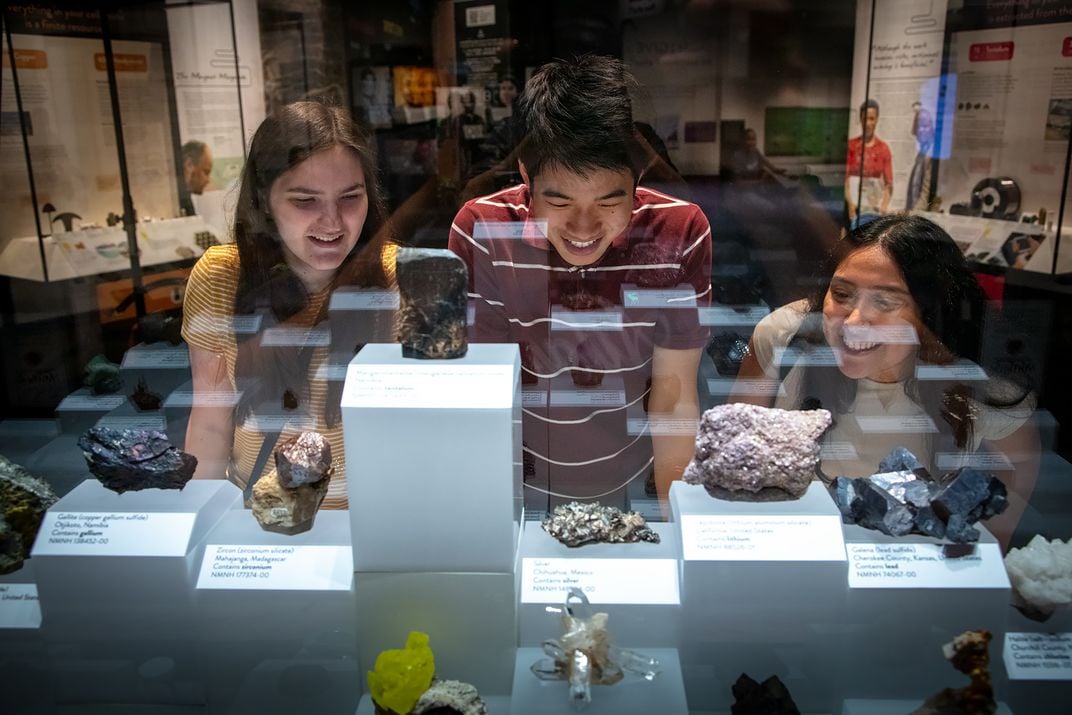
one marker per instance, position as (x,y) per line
(920,178)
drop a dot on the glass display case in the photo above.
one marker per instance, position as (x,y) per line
(665,356)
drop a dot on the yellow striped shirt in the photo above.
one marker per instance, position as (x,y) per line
(207,324)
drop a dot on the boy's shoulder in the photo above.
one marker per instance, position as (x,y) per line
(509,204)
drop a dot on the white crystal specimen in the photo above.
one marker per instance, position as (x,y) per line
(1041,573)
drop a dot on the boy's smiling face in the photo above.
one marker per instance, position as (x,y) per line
(582,214)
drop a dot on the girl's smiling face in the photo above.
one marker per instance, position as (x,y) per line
(870,318)
(319,207)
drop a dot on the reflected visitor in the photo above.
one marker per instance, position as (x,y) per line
(309,219)
(876,346)
(598,279)
(748,162)
(868,170)
(196,160)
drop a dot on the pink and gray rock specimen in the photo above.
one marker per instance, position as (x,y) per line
(287,502)
(750,453)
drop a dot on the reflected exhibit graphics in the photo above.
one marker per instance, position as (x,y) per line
(751,453)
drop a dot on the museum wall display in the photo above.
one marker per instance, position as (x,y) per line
(479,356)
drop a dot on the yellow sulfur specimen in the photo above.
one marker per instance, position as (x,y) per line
(401,677)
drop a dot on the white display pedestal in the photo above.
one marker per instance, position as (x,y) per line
(636,585)
(162,365)
(24,662)
(763,592)
(433,460)
(127,416)
(633,694)
(115,576)
(895,627)
(433,464)
(81,409)
(470,619)
(276,617)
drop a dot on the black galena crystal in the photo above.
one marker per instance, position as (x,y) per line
(133,459)
(432,287)
(902,498)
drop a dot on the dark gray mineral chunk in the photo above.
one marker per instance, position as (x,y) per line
(769,698)
(133,459)
(433,294)
(881,511)
(305,459)
(907,500)
(899,460)
(24,499)
(749,452)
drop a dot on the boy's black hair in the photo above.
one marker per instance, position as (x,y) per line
(577,115)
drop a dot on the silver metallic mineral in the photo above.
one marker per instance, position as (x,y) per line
(454,694)
(751,453)
(576,524)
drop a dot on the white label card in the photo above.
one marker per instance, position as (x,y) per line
(151,422)
(91,403)
(19,607)
(430,384)
(68,533)
(1038,656)
(584,398)
(164,358)
(277,568)
(908,565)
(733,316)
(604,581)
(809,537)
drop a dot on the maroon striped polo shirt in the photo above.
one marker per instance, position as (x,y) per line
(587,334)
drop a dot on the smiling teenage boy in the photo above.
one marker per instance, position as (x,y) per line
(599,281)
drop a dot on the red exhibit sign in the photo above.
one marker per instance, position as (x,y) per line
(990,51)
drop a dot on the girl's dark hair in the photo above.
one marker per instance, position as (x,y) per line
(267,287)
(952,309)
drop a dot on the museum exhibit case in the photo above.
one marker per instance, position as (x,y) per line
(480,356)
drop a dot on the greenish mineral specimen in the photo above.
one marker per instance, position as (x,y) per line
(401,677)
(24,499)
(102,376)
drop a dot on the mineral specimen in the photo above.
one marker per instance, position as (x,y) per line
(401,677)
(450,696)
(577,524)
(432,287)
(968,654)
(102,376)
(750,453)
(1041,576)
(902,498)
(24,499)
(584,656)
(769,698)
(155,327)
(145,399)
(287,502)
(305,459)
(587,377)
(132,460)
